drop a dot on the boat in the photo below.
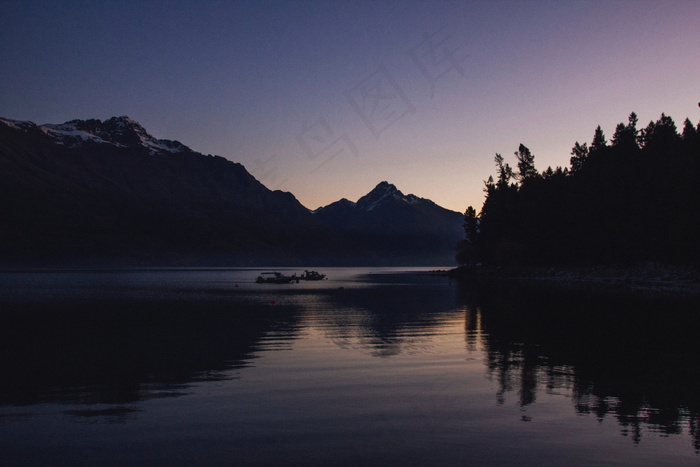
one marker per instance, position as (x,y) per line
(275,278)
(312,276)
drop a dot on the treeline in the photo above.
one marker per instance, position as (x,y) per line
(635,198)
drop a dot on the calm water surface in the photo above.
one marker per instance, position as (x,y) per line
(370,367)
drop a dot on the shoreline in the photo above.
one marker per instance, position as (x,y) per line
(654,277)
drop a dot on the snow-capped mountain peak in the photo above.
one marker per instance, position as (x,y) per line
(116,131)
(383,193)
(387,217)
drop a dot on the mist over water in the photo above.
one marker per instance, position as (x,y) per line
(369,367)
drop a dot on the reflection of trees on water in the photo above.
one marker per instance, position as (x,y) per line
(119,352)
(633,357)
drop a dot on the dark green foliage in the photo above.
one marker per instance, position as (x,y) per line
(579,154)
(505,173)
(689,131)
(636,199)
(599,142)
(471,225)
(466,249)
(526,164)
(626,135)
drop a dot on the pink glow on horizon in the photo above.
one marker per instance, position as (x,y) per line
(244,80)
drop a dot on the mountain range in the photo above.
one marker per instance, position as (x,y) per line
(91,192)
(398,225)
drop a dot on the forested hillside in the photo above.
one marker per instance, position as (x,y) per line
(633,198)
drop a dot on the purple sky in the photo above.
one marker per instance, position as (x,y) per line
(326,99)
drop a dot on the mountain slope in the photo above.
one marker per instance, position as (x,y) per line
(90,192)
(109,190)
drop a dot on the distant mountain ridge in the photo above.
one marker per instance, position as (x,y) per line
(117,131)
(397,223)
(382,194)
(108,191)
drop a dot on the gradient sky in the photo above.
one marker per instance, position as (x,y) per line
(326,99)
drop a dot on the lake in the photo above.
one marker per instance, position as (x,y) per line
(369,367)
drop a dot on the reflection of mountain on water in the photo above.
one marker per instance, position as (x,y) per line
(119,352)
(636,358)
(397,317)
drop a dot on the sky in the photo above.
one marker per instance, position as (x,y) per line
(326,99)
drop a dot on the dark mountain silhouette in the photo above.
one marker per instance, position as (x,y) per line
(401,226)
(109,190)
(90,192)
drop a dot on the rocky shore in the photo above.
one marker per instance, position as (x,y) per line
(646,276)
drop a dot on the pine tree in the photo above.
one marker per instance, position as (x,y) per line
(661,133)
(526,164)
(626,135)
(599,142)
(471,225)
(579,154)
(610,209)
(467,248)
(505,173)
(689,131)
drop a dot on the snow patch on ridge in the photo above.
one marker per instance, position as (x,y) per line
(117,131)
(382,193)
(126,126)
(69,134)
(17,124)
